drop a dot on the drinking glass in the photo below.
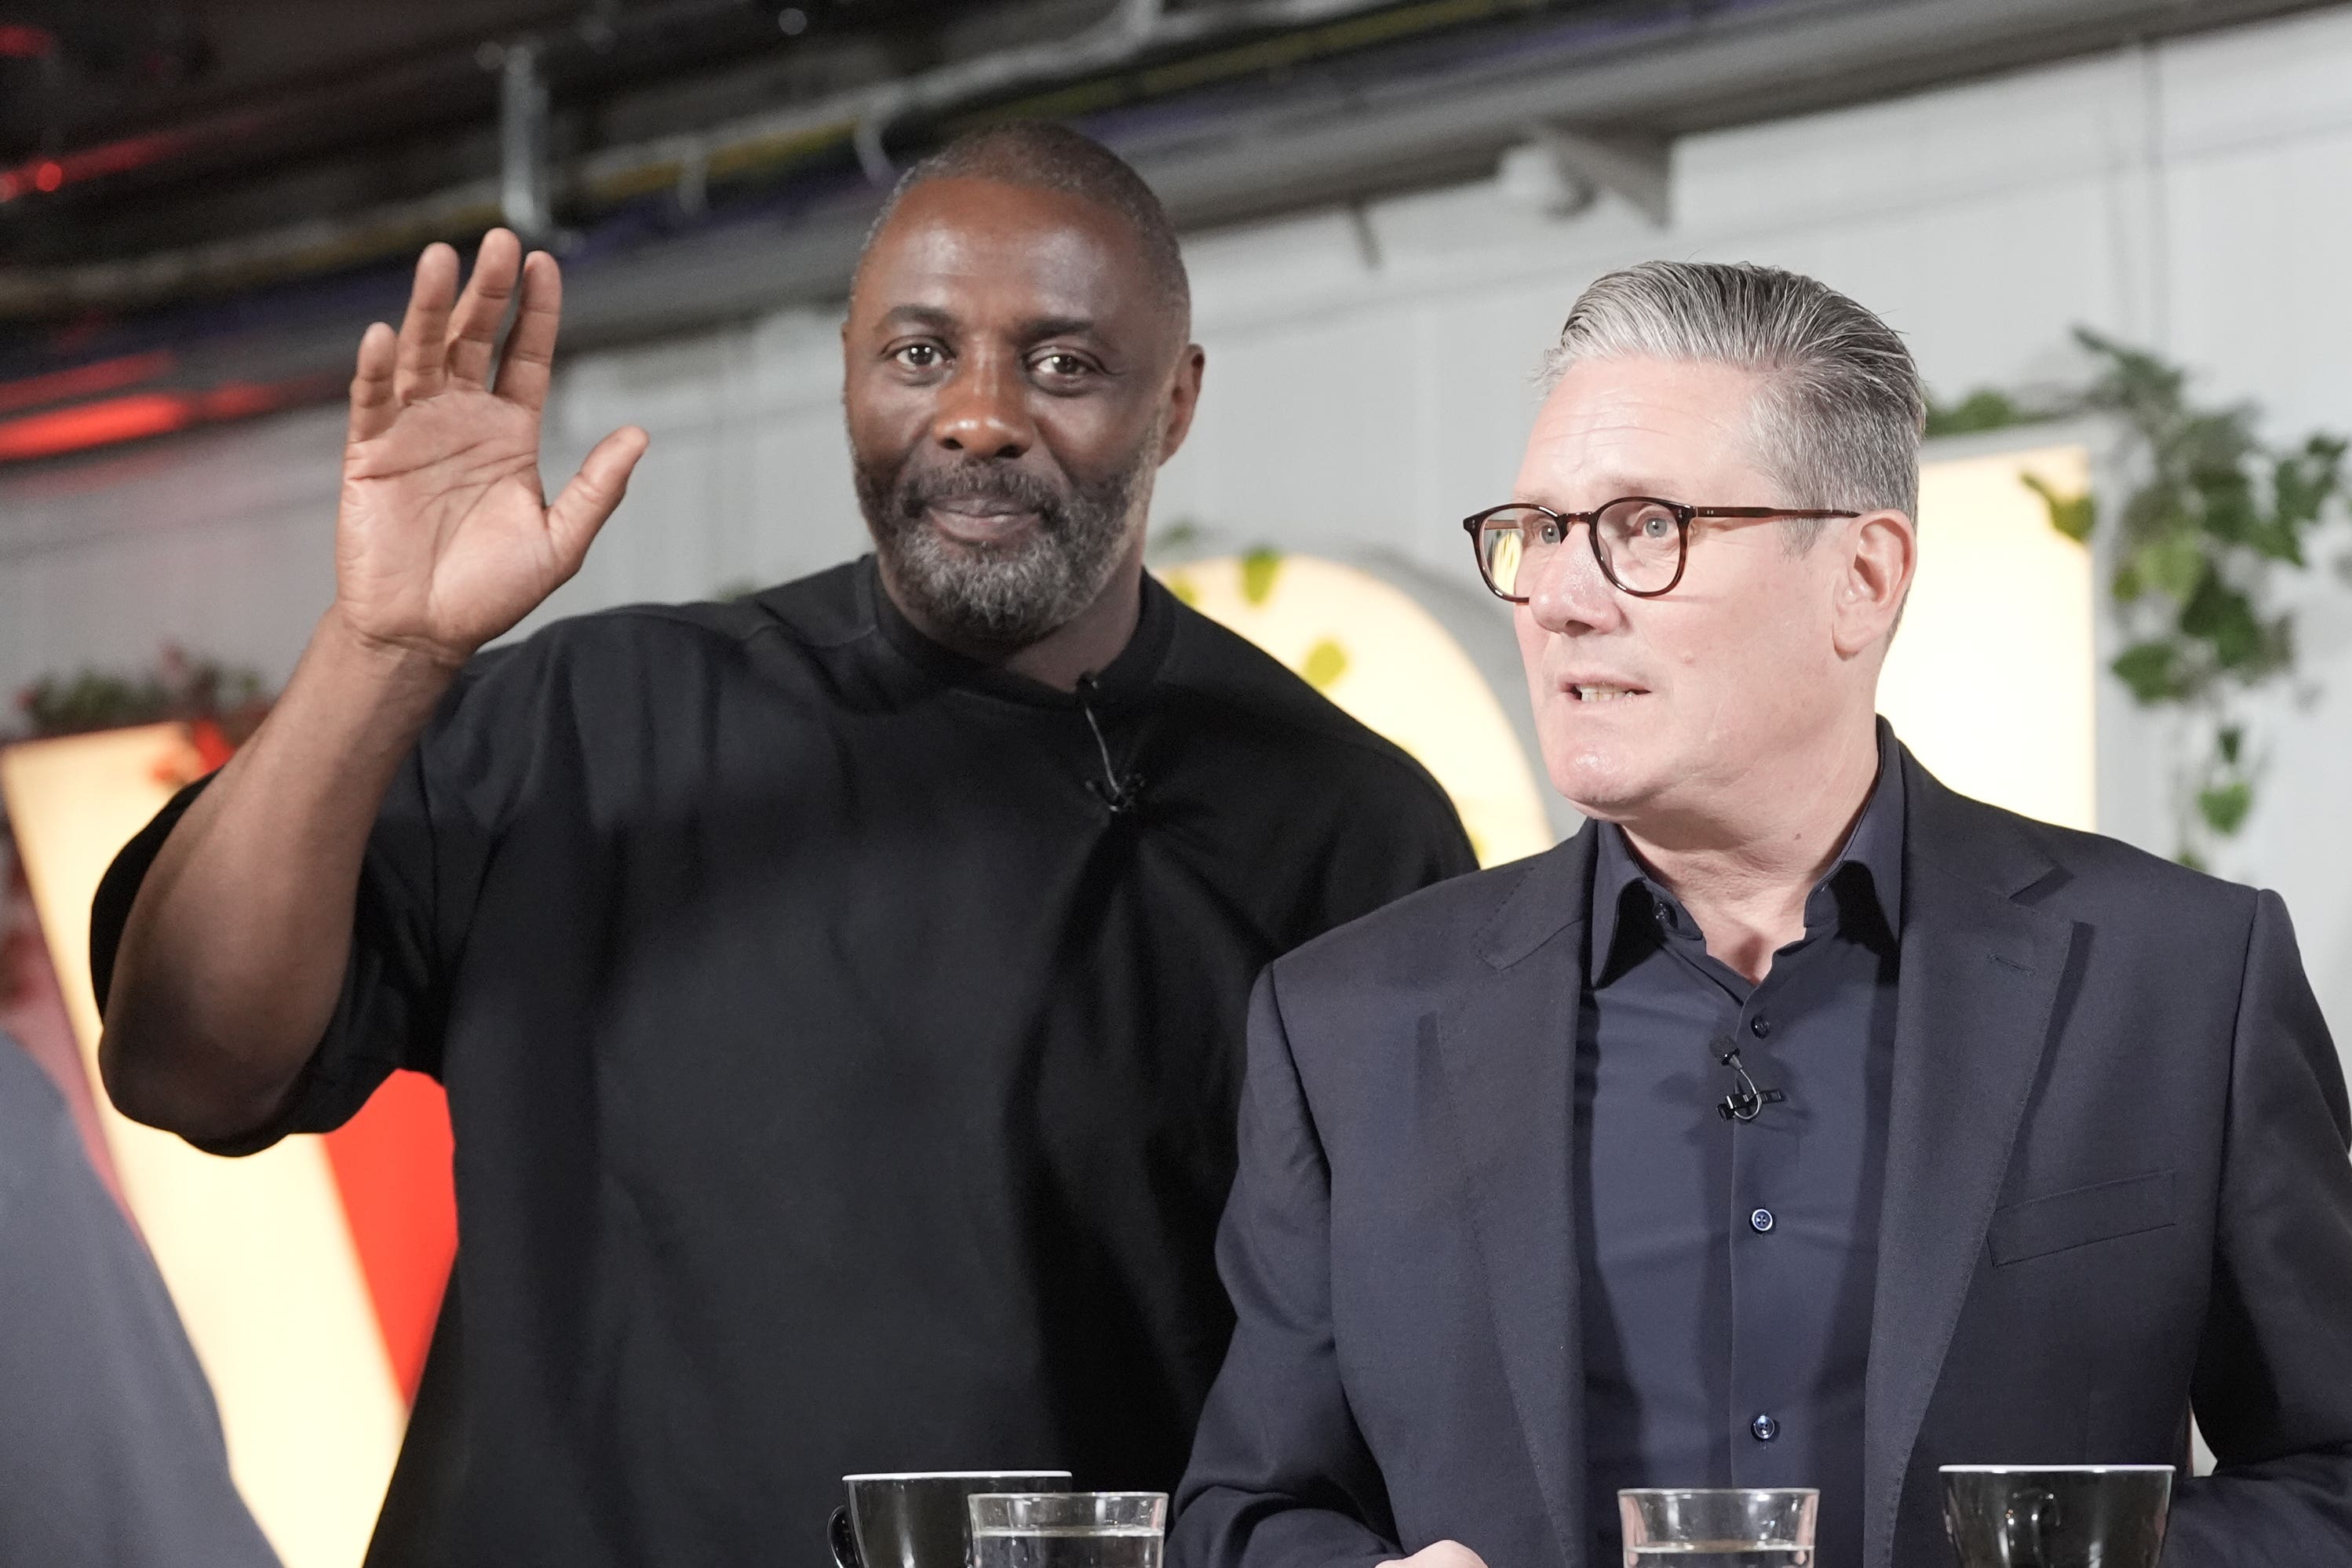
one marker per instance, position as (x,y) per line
(917,1519)
(1718,1527)
(2057,1516)
(1068,1530)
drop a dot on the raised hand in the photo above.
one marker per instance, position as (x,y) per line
(446,538)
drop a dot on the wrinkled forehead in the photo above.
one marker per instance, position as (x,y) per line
(1688,430)
(991,253)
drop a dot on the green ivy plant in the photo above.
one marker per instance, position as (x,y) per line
(2215,518)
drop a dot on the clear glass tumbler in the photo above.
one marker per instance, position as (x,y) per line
(1068,1530)
(1710,1527)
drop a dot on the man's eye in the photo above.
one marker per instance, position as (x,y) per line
(1657,525)
(1061,364)
(919,356)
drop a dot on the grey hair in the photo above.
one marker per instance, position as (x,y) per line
(1840,409)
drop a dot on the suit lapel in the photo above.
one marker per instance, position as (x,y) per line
(1508,1047)
(1981,977)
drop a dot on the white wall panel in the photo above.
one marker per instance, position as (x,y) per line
(1368,375)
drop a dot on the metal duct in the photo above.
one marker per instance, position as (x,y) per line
(864,117)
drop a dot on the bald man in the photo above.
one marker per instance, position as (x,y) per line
(839,993)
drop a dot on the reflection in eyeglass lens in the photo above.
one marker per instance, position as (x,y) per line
(1639,544)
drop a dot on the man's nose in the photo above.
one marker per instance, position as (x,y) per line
(983,412)
(1571,593)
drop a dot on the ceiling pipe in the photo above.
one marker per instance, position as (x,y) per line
(863,118)
(1230,163)
(523,195)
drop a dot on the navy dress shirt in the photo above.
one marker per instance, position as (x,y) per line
(1727,1265)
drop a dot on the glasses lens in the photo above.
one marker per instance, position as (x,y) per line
(1642,542)
(1513,546)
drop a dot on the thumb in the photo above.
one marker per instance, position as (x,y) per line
(592,493)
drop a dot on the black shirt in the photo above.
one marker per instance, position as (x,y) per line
(1728,1265)
(842,1044)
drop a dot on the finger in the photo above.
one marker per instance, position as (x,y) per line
(474,326)
(425,328)
(593,492)
(530,361)
(372,403)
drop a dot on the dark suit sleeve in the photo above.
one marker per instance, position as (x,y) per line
(110,1451)
(1280,1476)
(2274,1385)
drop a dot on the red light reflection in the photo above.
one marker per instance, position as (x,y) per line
(114,420)
(85,380)
(22,41)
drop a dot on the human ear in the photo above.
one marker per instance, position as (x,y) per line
(1881,556)
(1183,399)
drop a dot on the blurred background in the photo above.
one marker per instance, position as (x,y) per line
(2135,611)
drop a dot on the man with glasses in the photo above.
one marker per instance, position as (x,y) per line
(1797,1122)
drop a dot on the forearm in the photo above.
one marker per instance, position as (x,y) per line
(234,953)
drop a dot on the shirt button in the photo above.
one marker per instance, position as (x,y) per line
(1765,1428)
(1760,1027)
(1761,1219)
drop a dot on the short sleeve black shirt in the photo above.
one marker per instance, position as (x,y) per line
(841,1080)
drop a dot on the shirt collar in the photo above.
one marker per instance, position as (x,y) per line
(1123,679)
(1867,874)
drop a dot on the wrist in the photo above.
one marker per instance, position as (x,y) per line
(380,671)
(404,661)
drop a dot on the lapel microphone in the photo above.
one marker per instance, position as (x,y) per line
(1745,1101)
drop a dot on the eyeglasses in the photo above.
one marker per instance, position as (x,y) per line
(1640,541)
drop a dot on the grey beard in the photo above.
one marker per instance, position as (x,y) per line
(1010,597)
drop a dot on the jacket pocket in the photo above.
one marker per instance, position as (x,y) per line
(2082,1216)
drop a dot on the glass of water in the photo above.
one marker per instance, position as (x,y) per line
(1730,1526)
(1068,1530)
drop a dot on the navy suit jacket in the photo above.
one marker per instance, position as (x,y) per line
(2117,1188)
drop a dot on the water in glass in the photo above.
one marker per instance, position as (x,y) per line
(1718,1527)
(1079,1546)
(1723,1555)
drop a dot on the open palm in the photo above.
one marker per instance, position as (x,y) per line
(445,539)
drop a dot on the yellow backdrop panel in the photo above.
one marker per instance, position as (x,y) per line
(1369,647)
(1992,678)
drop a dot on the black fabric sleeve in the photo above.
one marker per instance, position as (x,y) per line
(110,1451)
(1280,1476)
(411,913)
(2274,1385)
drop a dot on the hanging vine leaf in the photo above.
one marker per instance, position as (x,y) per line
(2223,617)
(2174,566)
(2224,808)
(2147,669)
(1984,409)
(2073,516)
(2213,517)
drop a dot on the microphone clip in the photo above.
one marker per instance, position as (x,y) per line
(1746,1101)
